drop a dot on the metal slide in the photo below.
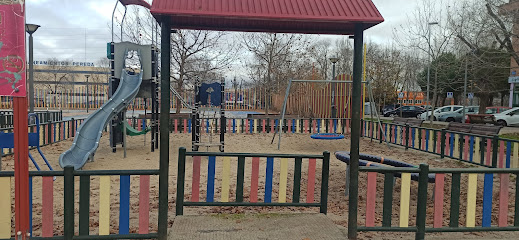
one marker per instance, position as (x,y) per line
(88,135)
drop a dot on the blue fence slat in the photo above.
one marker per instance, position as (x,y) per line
(487,199)
(30,205)
(471,148)
(251,126)
(189,125)
(427,135)
(234,126)
(211,168)
(207,126)
(124,210)
(508,153)
(413,137)
(268,180)
(451,145)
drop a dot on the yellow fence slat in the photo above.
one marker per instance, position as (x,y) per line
(104,205)
(515,157)
(405,192)
(225,179)
(5,207)
(471,200)
(283,176)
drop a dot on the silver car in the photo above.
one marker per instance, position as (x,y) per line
(457,115)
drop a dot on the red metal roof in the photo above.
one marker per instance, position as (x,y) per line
(136,2)
(287,16)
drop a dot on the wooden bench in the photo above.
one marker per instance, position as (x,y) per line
(479,129)
(482,118)
(408,121)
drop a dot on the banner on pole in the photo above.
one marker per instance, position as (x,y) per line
(12,49)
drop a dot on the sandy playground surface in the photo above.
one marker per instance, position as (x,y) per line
(139,156)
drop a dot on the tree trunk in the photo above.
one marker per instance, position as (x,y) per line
(485,100)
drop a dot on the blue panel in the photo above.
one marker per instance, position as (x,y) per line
(207,126)
(211,94)
(234,126)
(508,153)
(251,125)
(318,125)
(471,151)
(124,210)
(189,125)
(268,180)
(276,124)
(211,166)
(487,199)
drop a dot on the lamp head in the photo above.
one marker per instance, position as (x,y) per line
(31,28)
(334,59)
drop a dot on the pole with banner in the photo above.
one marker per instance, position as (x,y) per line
(12,83)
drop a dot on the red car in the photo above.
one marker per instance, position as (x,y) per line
(488,113)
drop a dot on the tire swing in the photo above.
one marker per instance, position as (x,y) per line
(327,136)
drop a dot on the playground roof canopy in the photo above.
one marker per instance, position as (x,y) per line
(279,16)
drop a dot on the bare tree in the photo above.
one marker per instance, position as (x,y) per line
(57,77)
(275,59)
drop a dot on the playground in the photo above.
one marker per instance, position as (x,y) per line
(116,177)
(140,157)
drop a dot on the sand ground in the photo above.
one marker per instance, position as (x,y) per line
(139,156)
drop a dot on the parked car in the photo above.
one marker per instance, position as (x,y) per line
(488,113)
(494,110)
(457,115)
(508,118)
(389,108)
(405,111)
(440,111)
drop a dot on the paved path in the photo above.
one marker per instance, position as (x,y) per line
(256,226)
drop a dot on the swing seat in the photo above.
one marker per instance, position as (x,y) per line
(130,131)
(327,136)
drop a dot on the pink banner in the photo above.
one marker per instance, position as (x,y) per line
(12,48)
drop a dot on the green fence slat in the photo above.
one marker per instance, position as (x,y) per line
(516,215)
(84,204)
(387,209)
(455,200)
(240,179)
(297,180)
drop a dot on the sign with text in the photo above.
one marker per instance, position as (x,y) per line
(12,49)
(450,95)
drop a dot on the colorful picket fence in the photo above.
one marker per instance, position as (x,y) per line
(52,191)
(52,132)
(261,192)
(268,125)
(462,200)
(489,151)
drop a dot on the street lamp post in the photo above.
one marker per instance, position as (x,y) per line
(87,98)
(429,66)
(30,29)
(334,60)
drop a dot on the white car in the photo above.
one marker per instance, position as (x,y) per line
(508,118)
(440,111)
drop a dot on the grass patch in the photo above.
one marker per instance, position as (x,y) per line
(511,136)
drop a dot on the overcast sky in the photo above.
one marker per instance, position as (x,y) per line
(79,30)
